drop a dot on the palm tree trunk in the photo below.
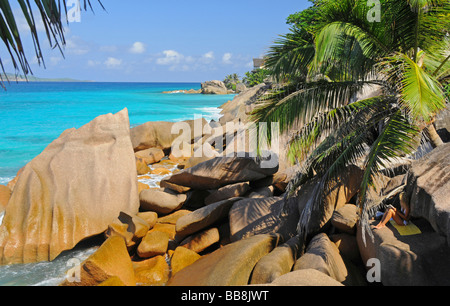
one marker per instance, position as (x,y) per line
(435,139)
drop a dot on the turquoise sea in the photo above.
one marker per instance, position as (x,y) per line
(32,115)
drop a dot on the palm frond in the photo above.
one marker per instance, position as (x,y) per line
(344,33)
(420,93)
(397,139)
(338,154)
(291,55)
(299,105)
(51,14)
(424,25)
(324,124)
(331,43)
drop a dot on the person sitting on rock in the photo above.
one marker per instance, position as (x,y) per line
(401,217)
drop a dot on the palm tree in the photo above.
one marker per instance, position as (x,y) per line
(231,80)
(404,59)
(51,14)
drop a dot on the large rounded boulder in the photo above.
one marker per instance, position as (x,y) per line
(73,190)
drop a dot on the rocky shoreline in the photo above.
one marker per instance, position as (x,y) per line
(207,88)
(214,220)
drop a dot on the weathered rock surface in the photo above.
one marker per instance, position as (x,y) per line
(347,245)
(344,219)
(5,195)
(149,216)
(13,182)
(418,260)
(153,244)
(141,166)
(263,192)
(442,124)
(214,88)
(323,255)
(161,202)
(181,258)
(110,260)
(73,190)
(428,189)
(151,156)
(308,277)
(152,272)
(250,217)
(221,171)
(169,229)
(130,228)
(202,240)
(239,107)
(173,217)
(112,282)
(226,192)
(204,217)
(278,262)
(341,191)
(174,187)
(159,134)
(228,266)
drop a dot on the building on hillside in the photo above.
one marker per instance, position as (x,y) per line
(258,63)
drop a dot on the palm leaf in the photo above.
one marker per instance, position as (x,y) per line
(333,36)
(420,93)
(291,55)
(290,106)
(397,139)
(336,154)
(51,14)
(324,124)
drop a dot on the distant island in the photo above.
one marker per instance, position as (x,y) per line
(20,78)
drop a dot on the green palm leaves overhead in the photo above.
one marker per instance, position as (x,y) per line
(49,12)
(334,55)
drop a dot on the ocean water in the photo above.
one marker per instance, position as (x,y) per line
(32,115)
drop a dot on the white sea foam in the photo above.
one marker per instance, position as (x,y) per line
(5,180)
(43,273)
(153,180)
(210,113)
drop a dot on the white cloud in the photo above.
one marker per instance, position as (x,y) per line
(76,46)
(108,48)
(209,55)
(189,59)
(226,59)
(207,58)
(92,63)
(55,60)
(137,48)
(171,57)
(112,62)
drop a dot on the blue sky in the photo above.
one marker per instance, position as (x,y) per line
(165,41)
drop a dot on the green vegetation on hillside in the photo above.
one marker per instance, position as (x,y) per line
(20,78)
